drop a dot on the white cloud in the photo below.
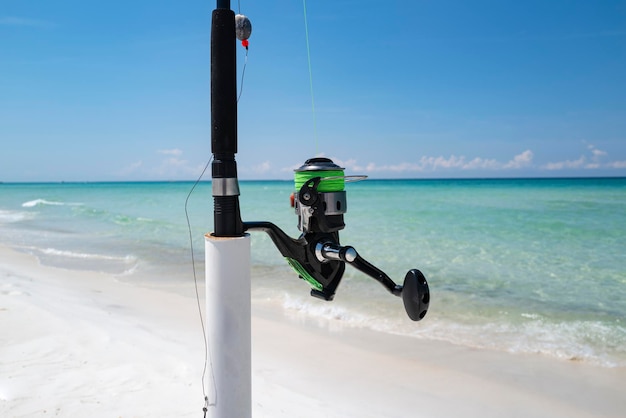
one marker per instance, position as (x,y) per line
(480,163)
(593,161)
(174,166)
(170,166)
(567,164)
(522,160)
(262,168)
(174,151)
(174,162)
(131,168)
(617,164)
(596,154)
(441,163)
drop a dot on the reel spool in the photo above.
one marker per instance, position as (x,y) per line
(320,198)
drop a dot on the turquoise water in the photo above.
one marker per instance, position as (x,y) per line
(522,265)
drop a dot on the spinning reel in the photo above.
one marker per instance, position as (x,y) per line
(317,257)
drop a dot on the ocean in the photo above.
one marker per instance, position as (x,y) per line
(521,265)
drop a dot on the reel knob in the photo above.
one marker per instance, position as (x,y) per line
(415,294)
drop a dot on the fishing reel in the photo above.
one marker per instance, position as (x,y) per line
(317,256)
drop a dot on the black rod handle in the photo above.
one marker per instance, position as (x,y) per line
(223,83)
(226,213)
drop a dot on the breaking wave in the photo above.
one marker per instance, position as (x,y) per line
(44,202)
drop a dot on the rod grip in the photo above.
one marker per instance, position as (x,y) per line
(223,83)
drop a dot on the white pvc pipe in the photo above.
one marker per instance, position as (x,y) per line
(228,326)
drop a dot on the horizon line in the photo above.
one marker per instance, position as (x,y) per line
(291,180)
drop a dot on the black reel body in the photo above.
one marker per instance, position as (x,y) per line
(316,255)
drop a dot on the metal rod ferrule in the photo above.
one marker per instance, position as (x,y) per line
(225,187)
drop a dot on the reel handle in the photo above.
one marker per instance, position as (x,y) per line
(415,292)
(321,260)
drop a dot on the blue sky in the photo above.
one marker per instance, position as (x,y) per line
(120,90)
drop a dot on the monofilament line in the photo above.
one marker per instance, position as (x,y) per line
(243,73)
(207,354)
(308,54)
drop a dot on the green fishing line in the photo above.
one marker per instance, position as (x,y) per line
(332,180)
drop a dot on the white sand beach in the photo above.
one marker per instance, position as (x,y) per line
(84,344)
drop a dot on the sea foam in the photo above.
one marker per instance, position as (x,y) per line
(9,216)
(44,202)
(88,256)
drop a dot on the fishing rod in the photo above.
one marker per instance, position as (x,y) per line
(316,255)
(319,200)
(226,212)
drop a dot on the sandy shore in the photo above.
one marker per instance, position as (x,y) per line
(83,344)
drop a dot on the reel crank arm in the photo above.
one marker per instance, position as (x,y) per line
(415,292)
